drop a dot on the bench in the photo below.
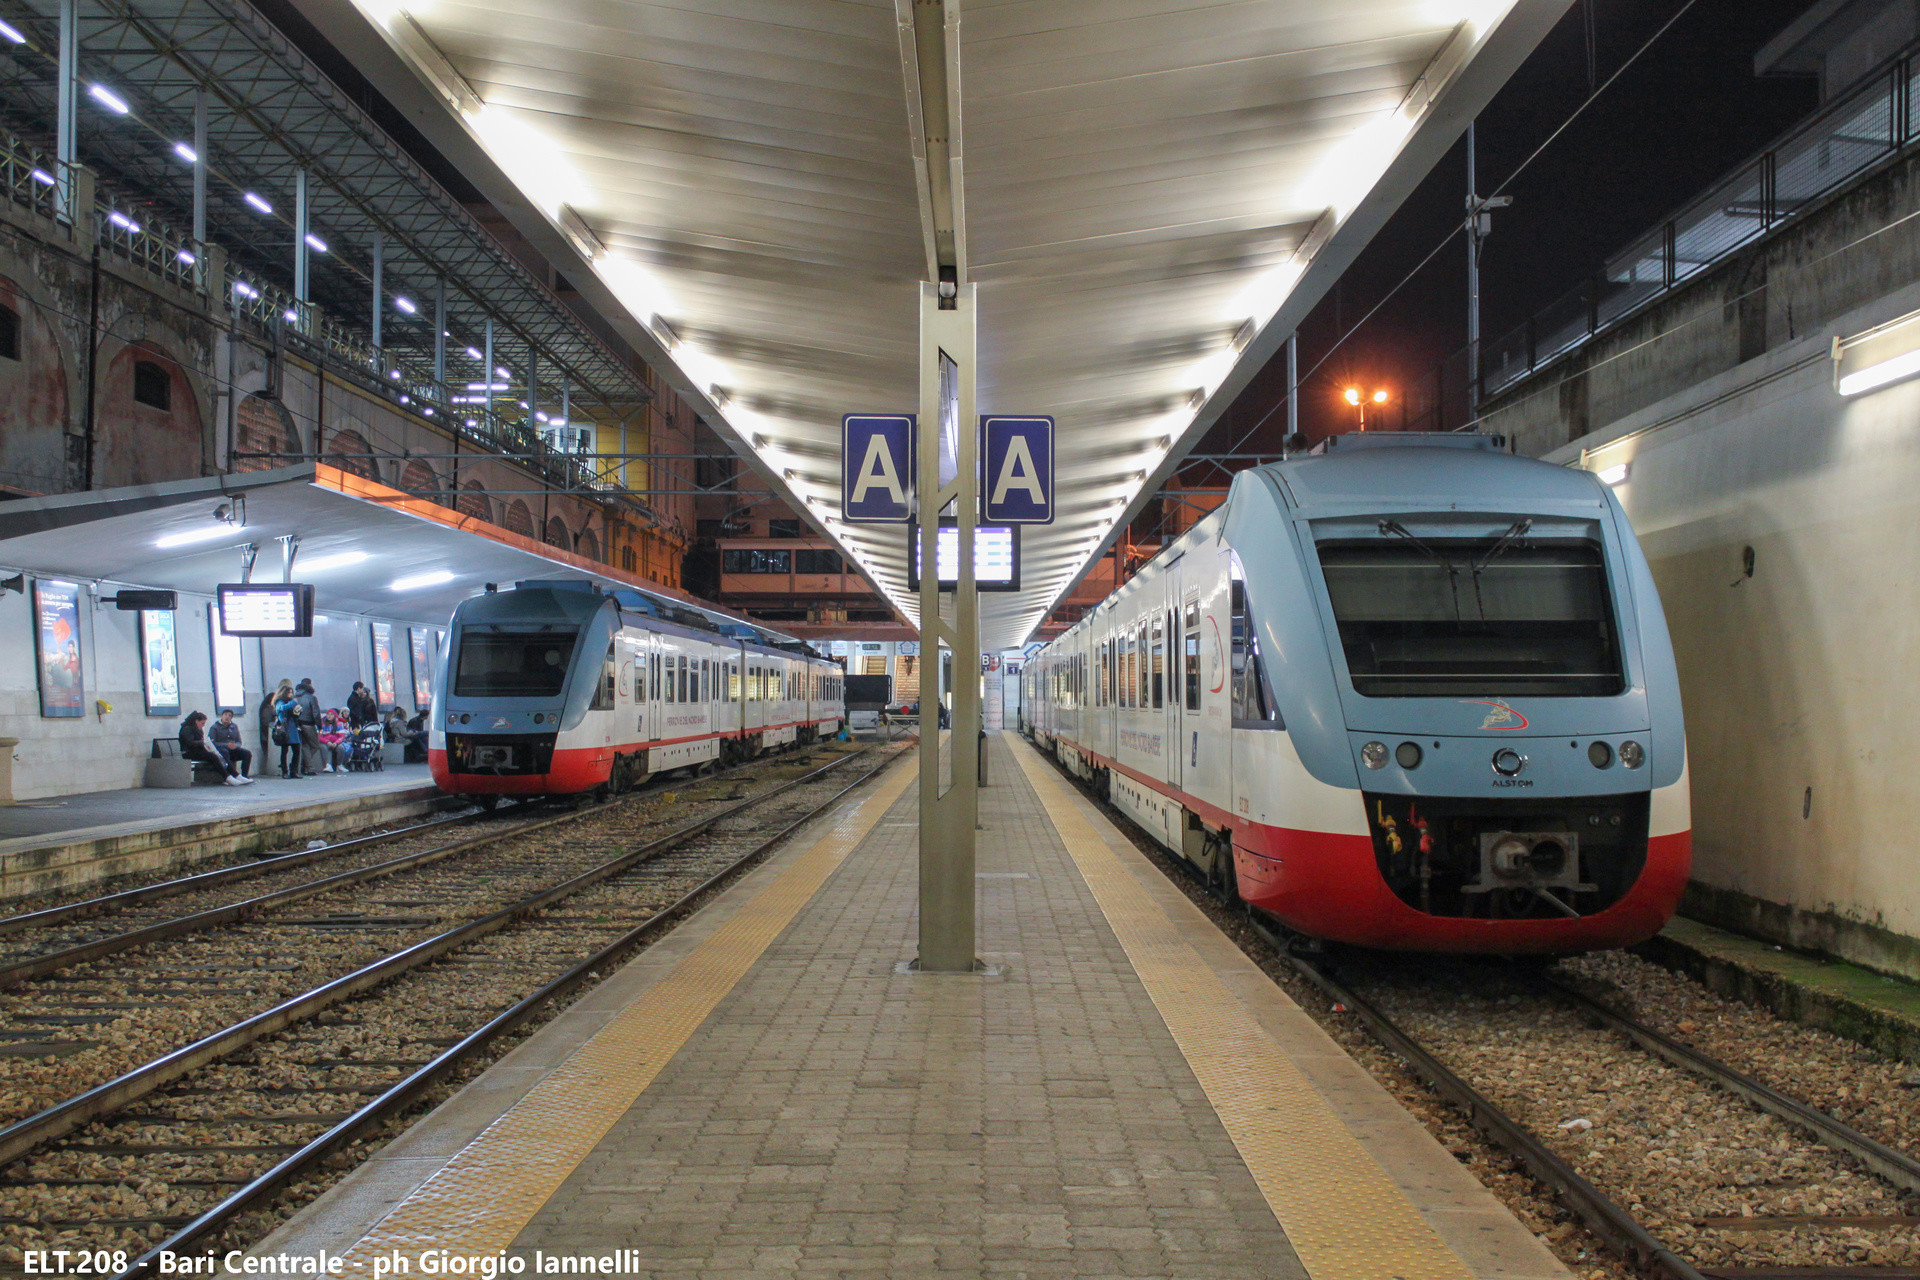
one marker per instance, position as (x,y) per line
(166,767)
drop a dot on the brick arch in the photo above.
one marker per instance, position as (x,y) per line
(557,535)
(141,444)
(587,545)
(263,426)
(33,400)
(418,477)
(519,518)
(349,451)
(475,502)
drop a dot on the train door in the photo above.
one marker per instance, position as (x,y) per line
(1172,722)
(1186,737)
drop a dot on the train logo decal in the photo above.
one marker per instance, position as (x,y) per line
(1216,659)
(499,722)
(1500,716)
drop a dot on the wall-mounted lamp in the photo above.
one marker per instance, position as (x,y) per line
(1886,353)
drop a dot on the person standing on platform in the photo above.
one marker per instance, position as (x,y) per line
(225,736)
(308,714)
(286,730)
(361,708)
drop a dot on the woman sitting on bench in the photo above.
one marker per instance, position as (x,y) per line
(195,746)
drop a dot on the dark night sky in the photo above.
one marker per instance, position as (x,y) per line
(1687,112)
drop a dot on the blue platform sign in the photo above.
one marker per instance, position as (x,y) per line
(876,468)
(1018,457)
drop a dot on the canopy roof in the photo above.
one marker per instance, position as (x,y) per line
(1148,194)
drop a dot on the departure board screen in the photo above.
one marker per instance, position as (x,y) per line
(996,557)
(266,609)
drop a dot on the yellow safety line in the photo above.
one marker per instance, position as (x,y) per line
(484,1197)
(1345,1217)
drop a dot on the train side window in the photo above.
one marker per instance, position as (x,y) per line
(706,681)
(1253,704)
(1190,656)
(603,693)
(1159,661)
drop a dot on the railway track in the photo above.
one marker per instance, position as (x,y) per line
(176,1150)
(1528,1051)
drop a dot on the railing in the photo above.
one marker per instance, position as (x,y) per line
(1836,144)
(36,183)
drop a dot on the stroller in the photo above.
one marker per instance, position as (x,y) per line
(366,749)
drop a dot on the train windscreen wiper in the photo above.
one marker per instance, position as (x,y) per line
(1394,529)
(1514,533)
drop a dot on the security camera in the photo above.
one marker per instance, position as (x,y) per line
(949,289)
(223,513)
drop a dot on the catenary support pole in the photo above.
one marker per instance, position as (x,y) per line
(948,430)
(440,334)
(1473,282)
(300,235)
(486,375)
(1293,390)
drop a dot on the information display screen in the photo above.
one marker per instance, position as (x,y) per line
(996,557)
(266,609)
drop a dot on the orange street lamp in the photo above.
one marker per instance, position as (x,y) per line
(1353,397)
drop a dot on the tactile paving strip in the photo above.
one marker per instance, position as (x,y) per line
(485,1195)
(1344,1215)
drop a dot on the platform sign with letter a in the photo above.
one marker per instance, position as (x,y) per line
(1017,469)
(876,468)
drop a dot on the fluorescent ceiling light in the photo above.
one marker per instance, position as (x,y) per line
(338,561)
(186,153)
(6,29)
(258,202)
(43,177)
(406,305)
(432,579)
(1879,375)
(1883,354)
(1615,474)
(293,317)
(191,536)
(186,257)
(108,99)
(315,243)
(473,353)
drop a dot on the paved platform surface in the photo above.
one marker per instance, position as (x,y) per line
(768,1092)
(137,808)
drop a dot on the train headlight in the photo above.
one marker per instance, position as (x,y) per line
(1374,755)
(1600,754)
(1407,755)
(1632,754)
(539,717)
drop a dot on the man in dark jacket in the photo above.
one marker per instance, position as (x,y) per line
(195,746)
(225,736)
(361,708)
(307,713)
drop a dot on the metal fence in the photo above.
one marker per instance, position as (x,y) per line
(1842,140)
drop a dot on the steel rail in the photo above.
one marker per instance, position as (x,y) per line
(63,1117)
(1895,1166)
(22,971)
(1602,1215)
(404,1092)
(208,879)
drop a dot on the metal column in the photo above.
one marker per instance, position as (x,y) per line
(200,170)
(379,283)
(440,334)
(1293,390)
(300,235)
(67,121)
(486,375)
(533,387)
(947,822)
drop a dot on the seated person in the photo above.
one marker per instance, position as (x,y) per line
(333,741)
(224,735)
(417,738)
(400,729)
(194,745)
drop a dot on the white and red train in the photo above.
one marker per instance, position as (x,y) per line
(1407,692)
(556,688)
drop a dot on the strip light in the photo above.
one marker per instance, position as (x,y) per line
(108,99)
(433,579)
(1881,355)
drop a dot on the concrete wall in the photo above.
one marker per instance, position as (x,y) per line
(108,749)
(1800,681)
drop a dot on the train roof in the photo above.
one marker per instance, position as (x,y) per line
(1399,469)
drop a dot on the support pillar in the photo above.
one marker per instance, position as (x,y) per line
(379,283)
(440,334)
(1293,391)
(200,170)
(67,120)
(486,375)
(947,821)
(300,229)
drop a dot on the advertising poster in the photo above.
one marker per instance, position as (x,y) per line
(56,630)
(228,690)
(162,648)
(422,669)
(383,691)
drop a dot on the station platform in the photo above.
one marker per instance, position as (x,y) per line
(68,841)
(770,1090)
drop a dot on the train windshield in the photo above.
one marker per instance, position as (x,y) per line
(512,664)
(1474,617)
